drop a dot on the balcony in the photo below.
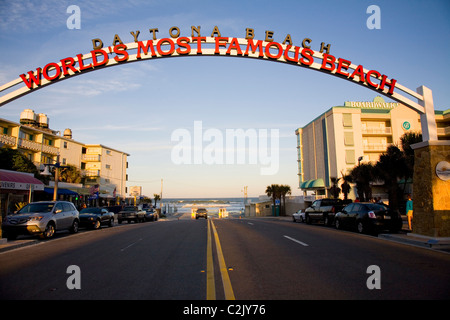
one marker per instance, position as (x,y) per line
(91,157)
(8,140)
(376,131)
(92,173)
(376,147)
(37,147)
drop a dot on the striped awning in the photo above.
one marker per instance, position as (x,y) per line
(15,180)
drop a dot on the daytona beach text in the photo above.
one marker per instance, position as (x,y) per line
(198,45)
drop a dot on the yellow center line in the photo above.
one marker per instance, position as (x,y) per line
(210,285)
(228,290)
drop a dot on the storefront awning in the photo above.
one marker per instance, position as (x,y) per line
(61,191)
(313,184)
(15,180)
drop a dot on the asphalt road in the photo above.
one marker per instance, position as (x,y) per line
(261,260)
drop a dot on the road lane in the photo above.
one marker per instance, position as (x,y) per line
(161,260)
(334,265)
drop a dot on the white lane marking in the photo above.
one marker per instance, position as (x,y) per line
(131,244)
(295,240)
(250,223)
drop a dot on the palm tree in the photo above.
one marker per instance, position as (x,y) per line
(390,168)
(273,191)
(345,186)
(70,174)
(363,175)
(335,190)
(156,197)
(284,190)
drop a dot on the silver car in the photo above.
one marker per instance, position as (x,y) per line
(42,218)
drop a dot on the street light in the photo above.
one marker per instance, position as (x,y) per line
(46,172)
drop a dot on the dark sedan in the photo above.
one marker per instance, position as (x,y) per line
(368,217)
(95,217)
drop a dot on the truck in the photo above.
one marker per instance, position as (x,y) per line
(323,210)
(131,213)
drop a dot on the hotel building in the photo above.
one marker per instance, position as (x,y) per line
(334,142)
(100,165)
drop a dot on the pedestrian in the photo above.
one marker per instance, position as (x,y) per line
(409,210)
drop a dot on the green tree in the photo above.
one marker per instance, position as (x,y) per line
(334,189)
(363,175)
(12,159)
(390,168)
(69,174)
(345,186)
(284,190)
(273,191)
(156,197)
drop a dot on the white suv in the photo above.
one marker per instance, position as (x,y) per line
(42,218)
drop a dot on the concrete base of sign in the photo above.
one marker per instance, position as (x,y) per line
(431,198)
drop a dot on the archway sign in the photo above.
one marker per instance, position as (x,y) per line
(431,194)
(216,45)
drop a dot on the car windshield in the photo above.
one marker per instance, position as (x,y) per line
(91,210)
(37,207)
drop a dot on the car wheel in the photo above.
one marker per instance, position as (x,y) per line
(360,227)
(74,228)
(308,220)
(337,224)
(111,223)
(97,224)
(49,231)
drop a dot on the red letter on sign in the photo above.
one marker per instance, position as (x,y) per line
(308,54)
(328,59)
(234,45)
(94,53)
(47,68)
(121,49)
(359,71)
(390,84)
(145,48)
(343,64)
(183,42)
(32,79)
(68,63)
(220,44)
(368,77)
(253,47)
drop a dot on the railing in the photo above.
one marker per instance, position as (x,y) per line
(8,140)
(31,145)
(387,130)
(91,157)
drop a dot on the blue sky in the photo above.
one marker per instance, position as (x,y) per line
(136,107)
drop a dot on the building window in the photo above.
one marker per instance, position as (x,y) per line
(348,139)
(350,156)
(347,120)
(65,144)
(108,166)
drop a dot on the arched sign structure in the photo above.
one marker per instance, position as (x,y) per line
(175,45)
(431,209)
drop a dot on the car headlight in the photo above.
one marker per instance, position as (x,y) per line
(35,218)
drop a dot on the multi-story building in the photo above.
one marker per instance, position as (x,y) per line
(338,139)
(99,165)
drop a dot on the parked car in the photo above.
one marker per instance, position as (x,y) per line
(151,215)
(131,213)
(323,210)
(42,218)
(367,217)
(201,212)
(95,217)
(299,216)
